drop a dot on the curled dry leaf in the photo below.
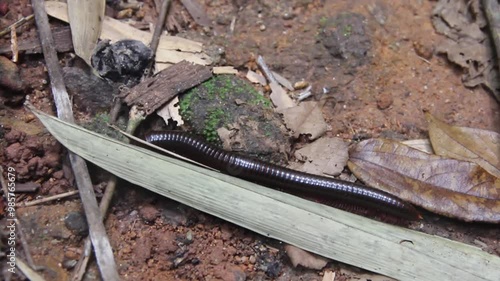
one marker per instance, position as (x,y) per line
(324,156)
(300,257)
(479,146)
(449,187)
(306,119)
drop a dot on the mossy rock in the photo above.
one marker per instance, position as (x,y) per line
(231,102)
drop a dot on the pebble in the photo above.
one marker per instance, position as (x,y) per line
(300,85)
(10,77)
(288,16)
(149,213)
(262,27)
(424,51)
(252,259)
(69,264)
(384,101)
(76,222)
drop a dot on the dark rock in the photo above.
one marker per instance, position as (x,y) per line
(91,93)
(76,222)
(10,76)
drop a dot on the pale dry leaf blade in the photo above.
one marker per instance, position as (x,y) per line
(463,143)
(85,19)
(288,218)
(379,171)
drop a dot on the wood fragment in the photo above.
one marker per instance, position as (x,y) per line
(100,241)
(154,92)
(27,187)
(224,70)
(31,45)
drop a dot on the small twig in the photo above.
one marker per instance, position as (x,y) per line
(304,94)
(13,45)
(17,24)
(47,199)
(424,59)
(100,241)
(265,69)
(232,25)
(155,40)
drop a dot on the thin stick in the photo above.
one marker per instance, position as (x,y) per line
(81,266)
(265,69)
(160,22)
(100,241)
(47,199)
(17,24)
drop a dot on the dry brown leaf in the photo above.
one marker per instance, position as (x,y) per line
(323,156)
(300,257)
(255,77)
(283,81)
(449,187)
(420,144)
(280,97)
(306,118)
(479,146)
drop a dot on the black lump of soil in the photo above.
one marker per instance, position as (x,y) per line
(233,103)
(123,62)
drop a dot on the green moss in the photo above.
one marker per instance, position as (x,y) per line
(260,100)
(215,119)
(211,105)
(99,124)
(185,104)
(347,30)
(323,21)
